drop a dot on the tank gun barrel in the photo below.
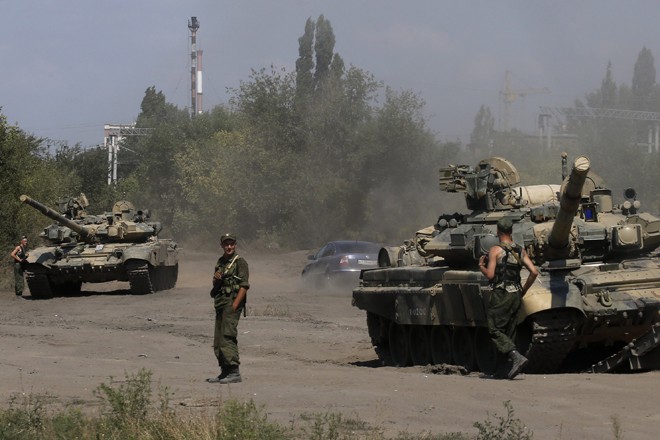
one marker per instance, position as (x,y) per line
(45,210)
(569,204)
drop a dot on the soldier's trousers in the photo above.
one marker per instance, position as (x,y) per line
(19,284)
(502,317)
(225,343)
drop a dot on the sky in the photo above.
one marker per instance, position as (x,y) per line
(70,66)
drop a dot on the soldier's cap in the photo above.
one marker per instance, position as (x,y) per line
(226,237)
(505,224)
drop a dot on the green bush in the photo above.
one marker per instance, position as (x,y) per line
(503,427)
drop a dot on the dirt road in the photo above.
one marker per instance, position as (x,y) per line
(301,351)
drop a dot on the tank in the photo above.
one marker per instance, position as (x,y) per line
(597,292)
(121,245)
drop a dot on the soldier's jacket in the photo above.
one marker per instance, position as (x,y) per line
(235,274)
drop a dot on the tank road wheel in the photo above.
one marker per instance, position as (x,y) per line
(420,347)
(139,277)
(399,349)
(440,345)
(485,350)
(462,347)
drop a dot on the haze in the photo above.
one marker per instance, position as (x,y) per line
(70,67)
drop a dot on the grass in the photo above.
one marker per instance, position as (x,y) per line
(134,408)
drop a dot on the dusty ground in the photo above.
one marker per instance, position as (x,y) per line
(301,351)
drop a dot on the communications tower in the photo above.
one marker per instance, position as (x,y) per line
(195,69)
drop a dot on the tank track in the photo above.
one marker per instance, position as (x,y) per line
(38,284)
(553,337)
(139,279)
(164,277)
(377,327)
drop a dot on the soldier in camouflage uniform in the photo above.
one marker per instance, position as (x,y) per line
(503,271)
(230,285)
(19,256)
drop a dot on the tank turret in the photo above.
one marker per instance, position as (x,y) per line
(598,285)
(123,224)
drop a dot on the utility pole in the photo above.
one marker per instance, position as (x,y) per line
(113,135)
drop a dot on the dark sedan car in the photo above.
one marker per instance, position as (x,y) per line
(340,262)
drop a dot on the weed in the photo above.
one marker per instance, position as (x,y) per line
(506,427)
(247,422)
(431,436)
(129,404)
(25,417)
(129,413)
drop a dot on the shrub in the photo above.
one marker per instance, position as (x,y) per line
(504,428)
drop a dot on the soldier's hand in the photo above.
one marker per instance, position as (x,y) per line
(217,275)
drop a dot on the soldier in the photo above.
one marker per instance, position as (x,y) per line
(230,286)
(503,271)
(19,255)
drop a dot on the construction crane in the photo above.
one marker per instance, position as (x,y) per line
(509,95)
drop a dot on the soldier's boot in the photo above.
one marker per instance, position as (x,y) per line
(233,375)
(518,362)
(224,371)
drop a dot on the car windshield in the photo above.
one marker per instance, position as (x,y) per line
(357,248)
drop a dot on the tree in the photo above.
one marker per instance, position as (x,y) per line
(608,90)
(643,81)
(305,61)
(26,168)
(482,133)
(155,110)
(324,47)
(265,106)
(86,170)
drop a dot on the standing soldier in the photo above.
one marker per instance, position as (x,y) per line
(19,255)
(230,285)
(503,271)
